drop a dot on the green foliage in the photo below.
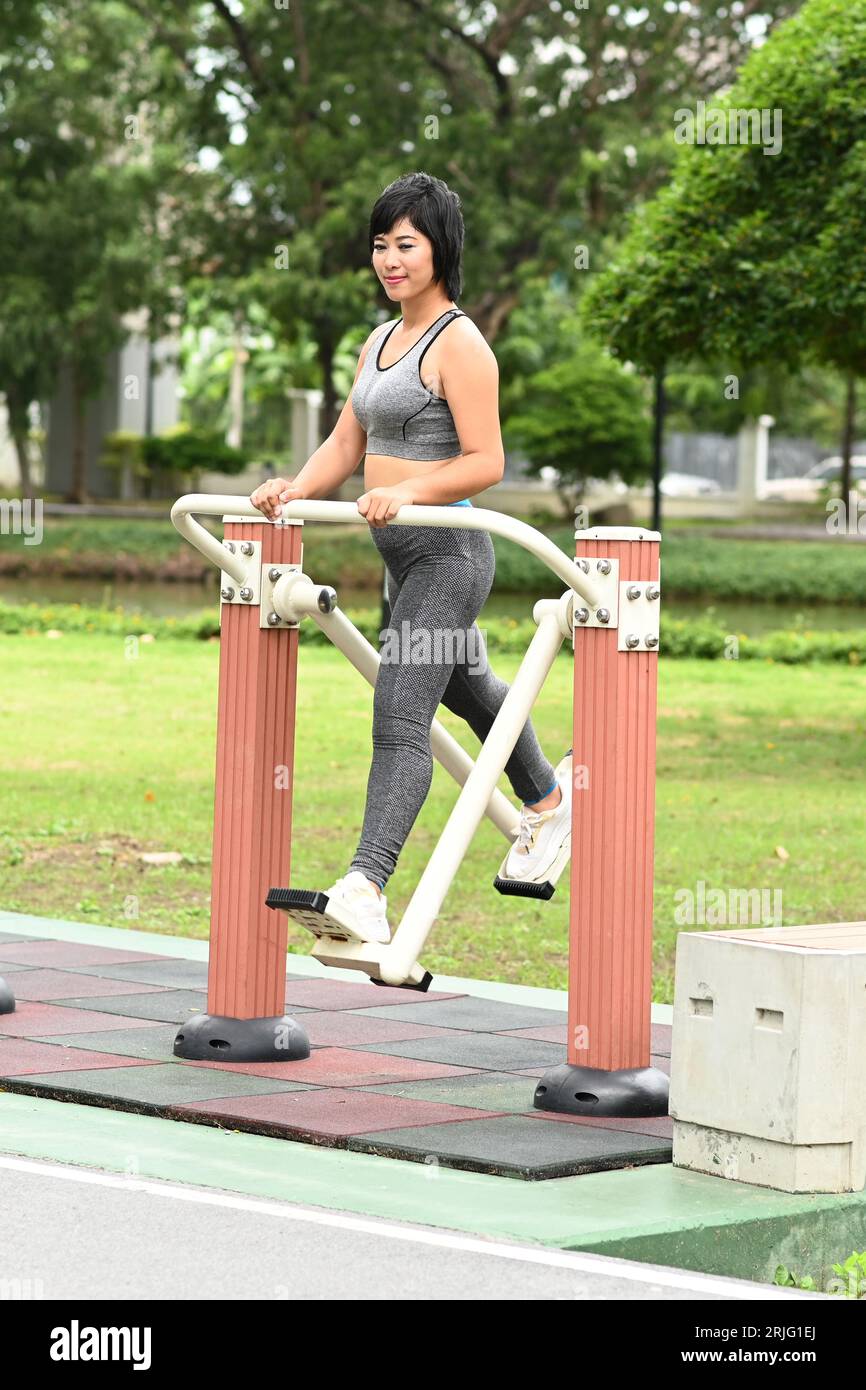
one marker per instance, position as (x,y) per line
(849,1283)
(701,638)
(754,256)
(185,449)
(585,417)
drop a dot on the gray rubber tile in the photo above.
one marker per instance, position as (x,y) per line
(516,1146)
(489,1090)
(490,1051)
(9,967)
(164,1005)
(169,1084)
(483,1015)
(155,1042)
(172,974)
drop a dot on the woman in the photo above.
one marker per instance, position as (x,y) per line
(424,412)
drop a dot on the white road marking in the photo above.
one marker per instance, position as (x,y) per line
(599,1265)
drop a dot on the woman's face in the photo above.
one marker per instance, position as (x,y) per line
(403,260)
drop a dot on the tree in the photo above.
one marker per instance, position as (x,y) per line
(755,257)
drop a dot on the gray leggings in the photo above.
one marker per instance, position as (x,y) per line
(439,578)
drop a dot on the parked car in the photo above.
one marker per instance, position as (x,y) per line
(809,487)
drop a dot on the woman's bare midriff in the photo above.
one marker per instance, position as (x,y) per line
(383,470)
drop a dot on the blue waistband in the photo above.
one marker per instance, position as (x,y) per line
(464,503)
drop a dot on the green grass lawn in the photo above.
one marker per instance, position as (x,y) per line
(108,754)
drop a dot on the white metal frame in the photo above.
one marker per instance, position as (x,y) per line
(295,595)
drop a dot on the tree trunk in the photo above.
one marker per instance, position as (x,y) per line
(20,441)
(235,433)
(16,409)
(848,441)
(78,490)
(329,396)
(658,441)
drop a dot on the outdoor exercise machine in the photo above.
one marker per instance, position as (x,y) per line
(609,612)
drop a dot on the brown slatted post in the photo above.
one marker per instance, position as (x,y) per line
(608,1070)
(252,827)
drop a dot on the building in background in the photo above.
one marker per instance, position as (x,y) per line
(141,394)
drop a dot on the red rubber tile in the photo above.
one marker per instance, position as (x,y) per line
(339,1066)
(340,994)
(20,1056)
(337,1112)
(32,1020)
(341,1028)
(56,954)
(59,984)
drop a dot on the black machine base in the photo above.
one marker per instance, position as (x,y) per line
(515,889)
(204,1037)
(7,999)
(573,1090)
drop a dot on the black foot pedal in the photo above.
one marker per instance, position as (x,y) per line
(513,888)
(315,911)
(423,985)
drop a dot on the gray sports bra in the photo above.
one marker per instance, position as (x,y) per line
(399,414)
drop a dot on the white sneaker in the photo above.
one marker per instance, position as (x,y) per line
(543,844)
(364,906)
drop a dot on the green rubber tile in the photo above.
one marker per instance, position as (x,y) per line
(170,973)
(483,1015)
(155,1041)
(486,1051)
(342,994)
(161,1005)
(487,1090)
(162,1085)
(347,1028)
(662,1126)
(50,986)
(555,1033)
(516,1146)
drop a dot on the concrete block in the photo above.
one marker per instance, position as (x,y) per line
(768,1056)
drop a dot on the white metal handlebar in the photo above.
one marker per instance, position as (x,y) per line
(470,518)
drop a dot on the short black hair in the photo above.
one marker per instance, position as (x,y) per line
(434,208)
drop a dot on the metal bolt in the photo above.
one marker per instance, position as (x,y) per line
(582,615)
(651,639)
(247,548)
(603,566)
(632,641)
(633,591)
(273,619)
(274,574)
(229,545)
(227,593)
(246,593)
(327,599)
(603,615)
(583,565)
(652,591)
